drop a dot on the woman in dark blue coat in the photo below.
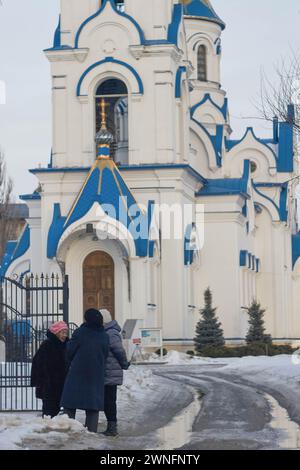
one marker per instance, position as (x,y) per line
(115,364)
(84,386)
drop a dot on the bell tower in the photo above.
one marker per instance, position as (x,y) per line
(204,28)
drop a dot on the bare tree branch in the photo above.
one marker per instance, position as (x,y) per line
(280,96)
(6,187)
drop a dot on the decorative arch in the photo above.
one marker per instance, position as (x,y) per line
(201,38)
(252,148)
(78,250)
(110,66)
(206,139)
(110,229)
(267,204)
(109,4)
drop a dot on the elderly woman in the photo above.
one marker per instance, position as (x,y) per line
(49,369)
(115,364)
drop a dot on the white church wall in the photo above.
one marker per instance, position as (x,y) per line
(220,268)
(274,288)
(199,158)
(296,300)
(73,13)
(153,17)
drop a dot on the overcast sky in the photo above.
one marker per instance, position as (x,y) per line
(258,34)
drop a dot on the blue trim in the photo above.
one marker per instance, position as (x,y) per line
(115,61)
(57,35)
(207,97)
(282,208)
(61,48)
(104,151)
(229,144)
(295,248)
(163,166)
(217,141)
(151,243)
(55,231)
(213,139)
(173,29)
(30,197)
(180,71)
(59,170)
(243,258)
(227,186)
(257,260)
(50,164)
(200,9)
(118,12)
(285,163)
(249,260)
(15,249)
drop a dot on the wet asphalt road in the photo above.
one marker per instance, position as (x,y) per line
(235,414)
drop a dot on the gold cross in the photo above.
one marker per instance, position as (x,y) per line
(103,106)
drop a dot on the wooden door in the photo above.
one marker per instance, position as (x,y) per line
(98,282)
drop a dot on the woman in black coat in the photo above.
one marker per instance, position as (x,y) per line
(115,364)
(84,386)
(48,371)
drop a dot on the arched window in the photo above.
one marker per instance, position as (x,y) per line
(115,93)
(202,63)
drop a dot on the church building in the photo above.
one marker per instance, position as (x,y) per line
(141,126)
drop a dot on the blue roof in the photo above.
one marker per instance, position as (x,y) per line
(104,185)
(15,249)
(227,186)
(203,10)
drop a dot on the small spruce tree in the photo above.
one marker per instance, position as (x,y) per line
(208,330)
(256,332)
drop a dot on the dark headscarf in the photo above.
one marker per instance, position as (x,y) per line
(93,317)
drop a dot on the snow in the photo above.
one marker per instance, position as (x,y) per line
(144,394)
(279,372)
(15,429)
(179,358)
(136,379)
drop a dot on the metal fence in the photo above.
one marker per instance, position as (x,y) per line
(28,306)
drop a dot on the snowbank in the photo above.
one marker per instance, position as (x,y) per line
(280,370)
(179,358)
(18,431)
(14,429)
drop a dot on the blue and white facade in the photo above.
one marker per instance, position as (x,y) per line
(158,65)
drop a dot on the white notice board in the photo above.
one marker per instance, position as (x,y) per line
(151,337)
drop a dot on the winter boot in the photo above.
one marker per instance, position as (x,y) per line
(111,430)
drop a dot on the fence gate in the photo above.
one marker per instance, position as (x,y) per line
(28,306)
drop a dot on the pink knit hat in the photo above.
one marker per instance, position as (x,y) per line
(57,327)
